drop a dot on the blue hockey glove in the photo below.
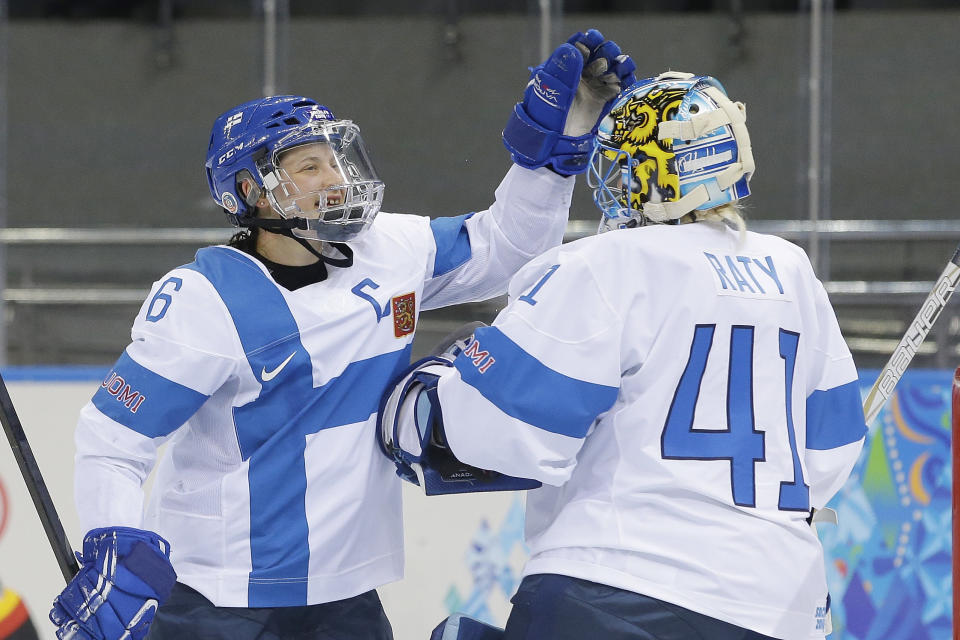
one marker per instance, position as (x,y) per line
(125,574)
(567,96)
(410,429)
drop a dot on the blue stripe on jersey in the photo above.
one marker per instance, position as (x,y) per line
(835,417)
(526,389)
(144,401)
(272,429)
(453,243)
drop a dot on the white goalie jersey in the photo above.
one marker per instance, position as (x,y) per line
(272,491)
(685,399)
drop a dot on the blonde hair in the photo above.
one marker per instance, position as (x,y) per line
(729,213)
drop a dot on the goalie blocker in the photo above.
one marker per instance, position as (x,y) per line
(410,429)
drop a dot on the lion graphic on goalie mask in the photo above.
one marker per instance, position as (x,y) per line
(635,133)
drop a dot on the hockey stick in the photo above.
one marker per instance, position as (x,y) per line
(916,332)
(36,486)
(900,358)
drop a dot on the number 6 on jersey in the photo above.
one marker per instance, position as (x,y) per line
(161,301)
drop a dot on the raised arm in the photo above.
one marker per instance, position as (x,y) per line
(549,135)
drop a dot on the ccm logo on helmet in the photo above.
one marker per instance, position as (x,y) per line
(229,154)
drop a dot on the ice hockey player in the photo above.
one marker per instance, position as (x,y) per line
(261,365)
(679,385)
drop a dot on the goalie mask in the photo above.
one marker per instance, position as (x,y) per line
(312,168)
(669,146)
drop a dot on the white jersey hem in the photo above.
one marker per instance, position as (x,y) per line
(231,590)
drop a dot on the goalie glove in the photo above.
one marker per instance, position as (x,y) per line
(567,96)
(125,575)
(405,446)
(410,429)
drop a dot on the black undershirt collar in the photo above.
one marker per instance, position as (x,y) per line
(294,277)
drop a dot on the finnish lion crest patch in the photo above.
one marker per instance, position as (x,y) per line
(404,309)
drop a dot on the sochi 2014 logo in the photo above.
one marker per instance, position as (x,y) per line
(4,508)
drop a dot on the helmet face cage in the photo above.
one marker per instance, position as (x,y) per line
(320,174)
(671,145)
(247,144)
(614,188)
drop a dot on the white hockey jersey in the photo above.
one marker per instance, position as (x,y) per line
(272,491)
(686,399)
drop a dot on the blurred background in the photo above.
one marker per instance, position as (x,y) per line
(105,115)
(106,107)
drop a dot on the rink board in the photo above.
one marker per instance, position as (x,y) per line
(888,559)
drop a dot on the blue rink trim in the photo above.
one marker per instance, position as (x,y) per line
(144,401)
(55,373)
(835,417)
(453,243)
(526,389)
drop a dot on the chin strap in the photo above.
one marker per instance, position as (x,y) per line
(285,226)
(274,224)
(345,251)
(303,243)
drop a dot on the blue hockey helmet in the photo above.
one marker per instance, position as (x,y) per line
(670,145)
(248,143)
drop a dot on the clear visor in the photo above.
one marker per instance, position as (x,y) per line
(610,176)
(322,176)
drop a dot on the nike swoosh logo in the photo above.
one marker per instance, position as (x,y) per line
(267,376)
